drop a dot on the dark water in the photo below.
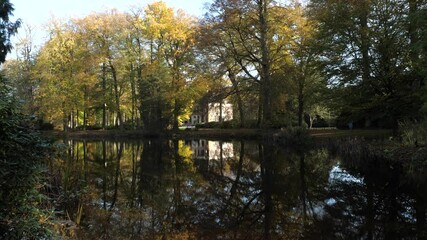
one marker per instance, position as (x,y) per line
(170,189)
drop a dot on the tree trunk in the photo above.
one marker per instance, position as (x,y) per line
(104,105)
(133,95)
(365,44)
(138,106)
(72,119)
(64,118)
(84,119)
(300,108)
(175,116)
(414,39)
(177,104)
(259,117)
(265,62)
(116,95)
(232,77)
(413,36)
(77,118)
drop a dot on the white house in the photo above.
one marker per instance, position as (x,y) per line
(218,112)
(213,112)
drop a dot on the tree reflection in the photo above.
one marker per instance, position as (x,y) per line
(370,201)
(198,189)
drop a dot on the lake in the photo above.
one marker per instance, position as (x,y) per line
(201,189)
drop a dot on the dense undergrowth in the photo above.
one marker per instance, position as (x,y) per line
(25,211)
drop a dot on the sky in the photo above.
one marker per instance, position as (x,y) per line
(37,13)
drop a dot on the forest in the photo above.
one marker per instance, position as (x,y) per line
(322,63)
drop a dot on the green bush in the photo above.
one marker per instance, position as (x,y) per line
(413,133)
(209,125)
(295,136)
(24,210)
(251,124)
(224,125)
(230,124)
(45,126)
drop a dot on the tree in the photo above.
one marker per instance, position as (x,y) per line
(58,68)
(7,29)
(258,37)
(218,65)
(107,33)
(21,156)
(247,28)
(366,49)
(20,72)
(305,80)
(169,41)
(418,30)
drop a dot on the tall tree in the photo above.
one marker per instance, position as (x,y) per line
(217,62)
(21,156)
(418,37)
(8,28)
(57,69)
(366,50)
(170,42)
(107,32)
(20,72)
(305,80)
(256,36)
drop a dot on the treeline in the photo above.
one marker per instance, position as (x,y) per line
(280,64)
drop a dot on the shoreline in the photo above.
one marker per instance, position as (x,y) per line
(255,134)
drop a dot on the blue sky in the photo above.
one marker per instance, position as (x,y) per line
(37,13)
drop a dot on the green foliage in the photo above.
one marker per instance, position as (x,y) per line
(367,53)
(413,133)
(224,125)
(295,136)
(23,212)
(7,28)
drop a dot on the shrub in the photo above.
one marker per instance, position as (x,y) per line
(229,124)
(295,136)
(209,125)
(251,124)
(23,209)
(45,126)
(413,133)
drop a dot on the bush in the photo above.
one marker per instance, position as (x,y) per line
(229,124)
(251,124)
(413,133)
(45,126)
(224,125)
(209,125)
(88,127)
(295,136)
(23,212)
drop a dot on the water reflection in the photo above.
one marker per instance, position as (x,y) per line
(199,189)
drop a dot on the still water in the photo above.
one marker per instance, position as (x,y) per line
(200,189)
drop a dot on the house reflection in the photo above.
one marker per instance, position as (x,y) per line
(211,150)
(207,153)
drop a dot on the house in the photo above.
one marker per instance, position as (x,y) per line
(211,112)
(219,112)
